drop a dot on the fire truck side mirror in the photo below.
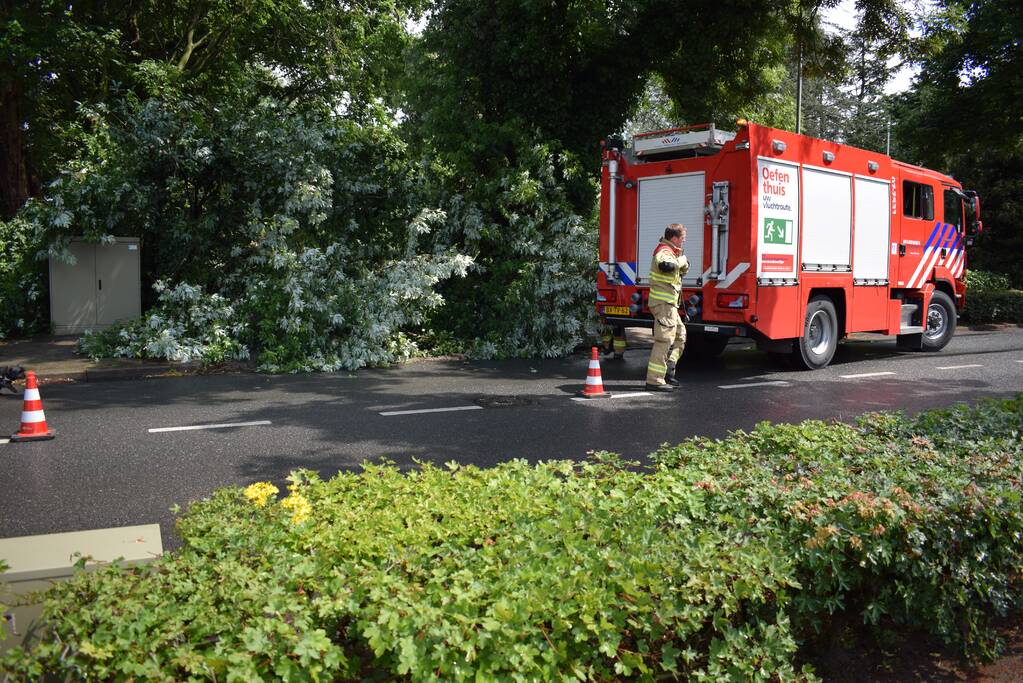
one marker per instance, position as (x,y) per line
(974,227)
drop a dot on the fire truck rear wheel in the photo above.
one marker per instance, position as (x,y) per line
(703,347)
(940,324)
(815,349)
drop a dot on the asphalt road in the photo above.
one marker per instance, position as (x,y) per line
(106,468)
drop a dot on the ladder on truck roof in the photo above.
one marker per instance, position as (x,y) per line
(699,140)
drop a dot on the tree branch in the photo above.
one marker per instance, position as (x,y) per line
(190,47)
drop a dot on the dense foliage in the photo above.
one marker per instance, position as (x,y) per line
(23,281)
(991,299)
(714,564)
(960,116)
(272,146)
(995,307)
(304,223)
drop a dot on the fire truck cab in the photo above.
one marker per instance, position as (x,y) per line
(792,241)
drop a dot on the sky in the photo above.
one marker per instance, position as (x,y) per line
(844,16)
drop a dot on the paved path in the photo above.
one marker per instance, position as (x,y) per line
(53,359)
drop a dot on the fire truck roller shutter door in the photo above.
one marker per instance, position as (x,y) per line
(827,220)
(671,199)
(873,227)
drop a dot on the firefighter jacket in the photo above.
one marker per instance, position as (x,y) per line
(666,285)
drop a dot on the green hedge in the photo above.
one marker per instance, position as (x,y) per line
(714,563)
(989,299)
(994,307)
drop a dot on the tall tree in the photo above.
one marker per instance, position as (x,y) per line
(851,107)
(963,115)
(61,59)
(572,70)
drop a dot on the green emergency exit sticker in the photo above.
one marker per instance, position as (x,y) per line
(777,231)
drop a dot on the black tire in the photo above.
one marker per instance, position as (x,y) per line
(702,347)
(940,322)
(713,345)
(816,347)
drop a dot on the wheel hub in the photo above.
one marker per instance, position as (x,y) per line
(819,336)
(937,322)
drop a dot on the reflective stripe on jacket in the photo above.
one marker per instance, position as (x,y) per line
(666,287)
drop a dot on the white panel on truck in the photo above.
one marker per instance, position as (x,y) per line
(870,239)
(778,220)
(827,220)
(671,199)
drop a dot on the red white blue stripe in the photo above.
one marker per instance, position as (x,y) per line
(944,247)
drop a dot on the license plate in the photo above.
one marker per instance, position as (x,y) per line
(616,310)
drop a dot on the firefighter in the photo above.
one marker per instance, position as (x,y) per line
(614,342)
(666,270)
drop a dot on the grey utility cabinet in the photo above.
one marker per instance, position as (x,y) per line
(100,288)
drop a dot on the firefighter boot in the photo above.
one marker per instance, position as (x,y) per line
(619,347)
(669,376)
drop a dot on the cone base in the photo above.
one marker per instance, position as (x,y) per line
(598,394)
(46,436)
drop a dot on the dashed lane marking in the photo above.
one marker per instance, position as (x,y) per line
(776,383)
(216,426)
(389,413)
(958,367)
(866,374)
(3,441)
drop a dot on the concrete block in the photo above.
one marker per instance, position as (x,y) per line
(36,562)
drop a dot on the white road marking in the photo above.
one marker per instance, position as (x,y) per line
(957,367)
(429,410)
(1019,361)
(866,374)
(777,383)
(631,394)
(3,441)
(217,426)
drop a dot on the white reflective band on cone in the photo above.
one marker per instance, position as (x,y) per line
(593,381)
(31,395)
(28,416)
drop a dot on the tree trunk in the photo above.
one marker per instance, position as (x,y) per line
(13,176)
(13,172)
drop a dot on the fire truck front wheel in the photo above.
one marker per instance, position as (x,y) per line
(941,322)
(815,349)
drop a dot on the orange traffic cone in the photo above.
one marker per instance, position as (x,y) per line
(594,385)
(33,421)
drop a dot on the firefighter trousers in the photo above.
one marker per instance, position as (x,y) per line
(669,342)
(614,340)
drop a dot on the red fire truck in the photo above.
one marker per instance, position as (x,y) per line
(792,241)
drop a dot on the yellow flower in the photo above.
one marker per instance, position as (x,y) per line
(299,506)
(260,492)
